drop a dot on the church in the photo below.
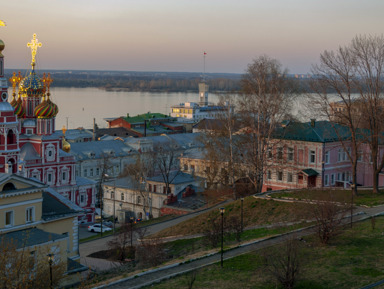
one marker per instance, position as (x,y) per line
(29,145)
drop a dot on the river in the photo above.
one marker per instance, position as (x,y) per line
(79,106)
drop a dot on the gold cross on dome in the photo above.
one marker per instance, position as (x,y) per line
(15,80)
(34,44)
(47,80)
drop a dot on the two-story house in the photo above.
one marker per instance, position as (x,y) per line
(37,221)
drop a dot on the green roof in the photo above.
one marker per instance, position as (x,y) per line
(146,116)
(310,172)
(320,131)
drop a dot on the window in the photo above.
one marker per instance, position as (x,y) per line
(154,188)
(360,156)
(64,176)
(49,178)
(332,179)
(85,173)
(280,153)
(192,167)
(326,157)
(312,157)
(112,195)
(122,196)
(185,167)
(269,153)
(82,198)
(138,199)
(9,218)
(279,176)
(91,172)
(30,214)
(290,177)
(290,154)
(326,180)
(269,175)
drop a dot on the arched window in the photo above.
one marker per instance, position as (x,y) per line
(9,187)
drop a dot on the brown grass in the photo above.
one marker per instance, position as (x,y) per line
(256,212)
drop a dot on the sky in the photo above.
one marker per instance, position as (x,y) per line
(172,35)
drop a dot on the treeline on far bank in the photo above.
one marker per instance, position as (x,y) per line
(145,81)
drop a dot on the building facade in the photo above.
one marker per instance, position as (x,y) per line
(29,144)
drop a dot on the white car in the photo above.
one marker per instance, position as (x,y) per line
(97,228)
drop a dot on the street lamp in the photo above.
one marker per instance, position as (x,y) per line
(114,203)
(353,192)
(242,224)
(50,262)
(222,210)
(131,232)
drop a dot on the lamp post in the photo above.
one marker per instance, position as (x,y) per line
(131,232)
(353,192)
(222,210)
(242,224)
(50,262)
(114,203)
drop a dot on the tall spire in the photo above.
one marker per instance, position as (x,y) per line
(205,54)
(34,44)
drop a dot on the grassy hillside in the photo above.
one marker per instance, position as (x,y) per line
(256,212)
(352,260)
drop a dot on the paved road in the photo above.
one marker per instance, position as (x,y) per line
(157,275)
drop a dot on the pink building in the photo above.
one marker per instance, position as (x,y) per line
(311,155)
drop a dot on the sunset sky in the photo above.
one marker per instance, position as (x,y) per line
(171,35)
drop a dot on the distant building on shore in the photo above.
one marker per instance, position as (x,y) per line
(194,112)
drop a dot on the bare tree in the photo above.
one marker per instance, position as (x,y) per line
(122,241)
(24,268)
(329,218)
(334,87)
(349,88)
(139,172)
(167,164)
(368,56)
(266,99)
(212,231)
(150,252)
(285,263)
(191,278)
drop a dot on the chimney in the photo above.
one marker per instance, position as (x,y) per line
(313,122)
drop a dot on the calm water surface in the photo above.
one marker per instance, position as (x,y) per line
(79,106)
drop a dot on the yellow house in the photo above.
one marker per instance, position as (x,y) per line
(38,221)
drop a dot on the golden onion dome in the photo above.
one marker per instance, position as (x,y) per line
(2,46)
(66,146)
(31,86)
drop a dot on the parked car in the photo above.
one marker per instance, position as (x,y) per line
(97,228)
(105,223)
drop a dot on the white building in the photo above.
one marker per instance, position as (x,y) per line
(192,111)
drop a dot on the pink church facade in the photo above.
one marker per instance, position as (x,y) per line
(29,145)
